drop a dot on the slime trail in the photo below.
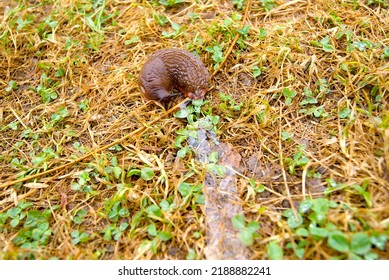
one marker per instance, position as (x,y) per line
(222,201)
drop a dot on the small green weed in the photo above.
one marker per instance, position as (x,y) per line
(11,86)
(274,251)
(324,43)
(353,189)
(98,17)
(385,54)
(146,173)
(83,184)
(80,148)
(60,115)
(345,113)
(84,105)
(46,28)
(132,40)
(158,236)
(238,4)
(191,255)
(244,33)
(344,32)
(116,209)
(257,187)
(382,3)
(177,31)
(114,168)
(114,232)
(299,160)
(156,214)
(13,125)
(360,46)
(262,33)
(247,231)
(16,214)
(257,71)
(79,237)
(191,191)
(217,54)
(228,103)
(170,3)
(46,88)
(193,17)
(285,135)
(229,29)
(153,244)
(315,111)
(309,98)
(24,23)
(42,159)
(323,88)
(217,169)
(161,19)
(268,5)
(312,98)
(289,95)
(196,120)
(79,217)
(36,231)
(311,224)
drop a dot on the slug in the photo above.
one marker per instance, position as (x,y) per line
(169,69)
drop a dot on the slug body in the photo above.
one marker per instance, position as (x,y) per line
(169,69)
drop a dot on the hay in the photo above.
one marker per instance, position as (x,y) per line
(77,59)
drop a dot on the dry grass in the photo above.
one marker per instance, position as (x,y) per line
(84,61)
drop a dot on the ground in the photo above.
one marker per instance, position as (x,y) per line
(299,97)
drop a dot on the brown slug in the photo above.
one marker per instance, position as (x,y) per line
(169,69)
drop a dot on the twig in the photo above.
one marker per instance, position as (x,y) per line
(283,170)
